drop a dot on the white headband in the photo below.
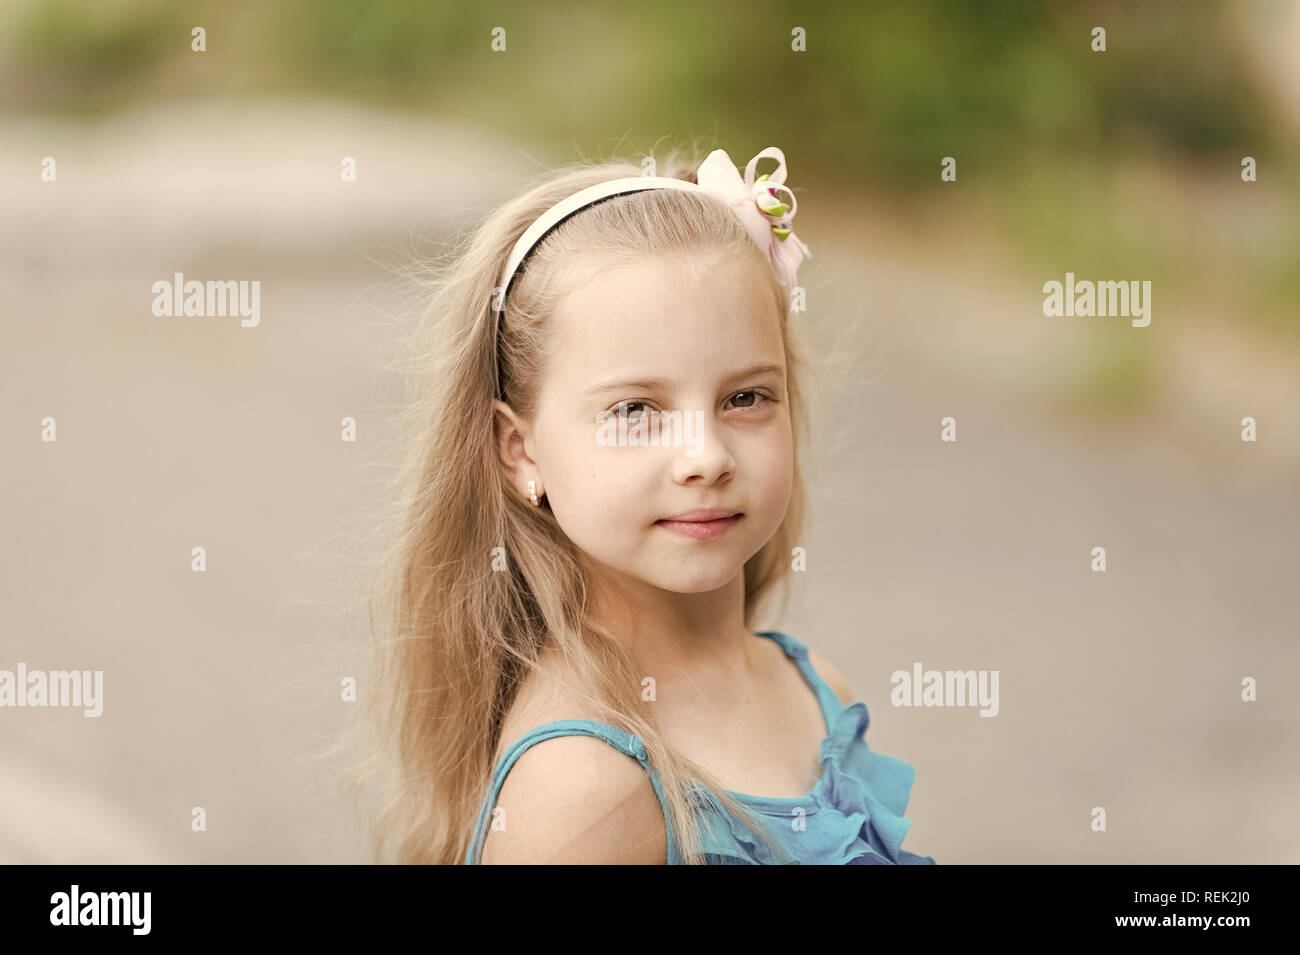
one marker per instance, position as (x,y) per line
(767,217)
(566,207)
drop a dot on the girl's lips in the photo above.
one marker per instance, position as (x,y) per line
(701,530)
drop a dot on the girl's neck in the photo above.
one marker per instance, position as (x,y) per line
(669,632)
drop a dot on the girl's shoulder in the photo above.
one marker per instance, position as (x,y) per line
(834,679)
(546,695)
(574,799)
(569,792)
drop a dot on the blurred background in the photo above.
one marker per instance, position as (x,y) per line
(1118,689)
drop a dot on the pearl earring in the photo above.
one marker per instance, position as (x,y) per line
(532,492)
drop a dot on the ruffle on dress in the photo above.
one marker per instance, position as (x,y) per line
(853,816)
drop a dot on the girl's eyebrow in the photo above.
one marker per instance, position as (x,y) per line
(665,383)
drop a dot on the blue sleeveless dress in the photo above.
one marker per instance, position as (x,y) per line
(852,816)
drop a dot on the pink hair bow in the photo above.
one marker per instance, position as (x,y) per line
(760,205)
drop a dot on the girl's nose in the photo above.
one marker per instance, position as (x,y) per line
(706,456)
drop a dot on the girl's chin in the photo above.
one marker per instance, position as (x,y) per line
(686,575)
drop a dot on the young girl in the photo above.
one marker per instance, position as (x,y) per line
(605,487)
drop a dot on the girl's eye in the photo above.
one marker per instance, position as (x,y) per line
(621,409)
(751,399)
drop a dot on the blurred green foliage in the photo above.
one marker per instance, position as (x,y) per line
(1117,377)
(893,85)
(1043,126)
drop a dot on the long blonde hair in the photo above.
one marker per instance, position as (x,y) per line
(456,638)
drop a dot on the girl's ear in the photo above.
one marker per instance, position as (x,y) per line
(511,433)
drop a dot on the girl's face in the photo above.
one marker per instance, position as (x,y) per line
(631,346)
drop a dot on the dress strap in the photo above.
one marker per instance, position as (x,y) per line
(625,742)
(798,651)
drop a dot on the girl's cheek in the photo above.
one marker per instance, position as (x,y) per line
(775,467)
(772,450)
